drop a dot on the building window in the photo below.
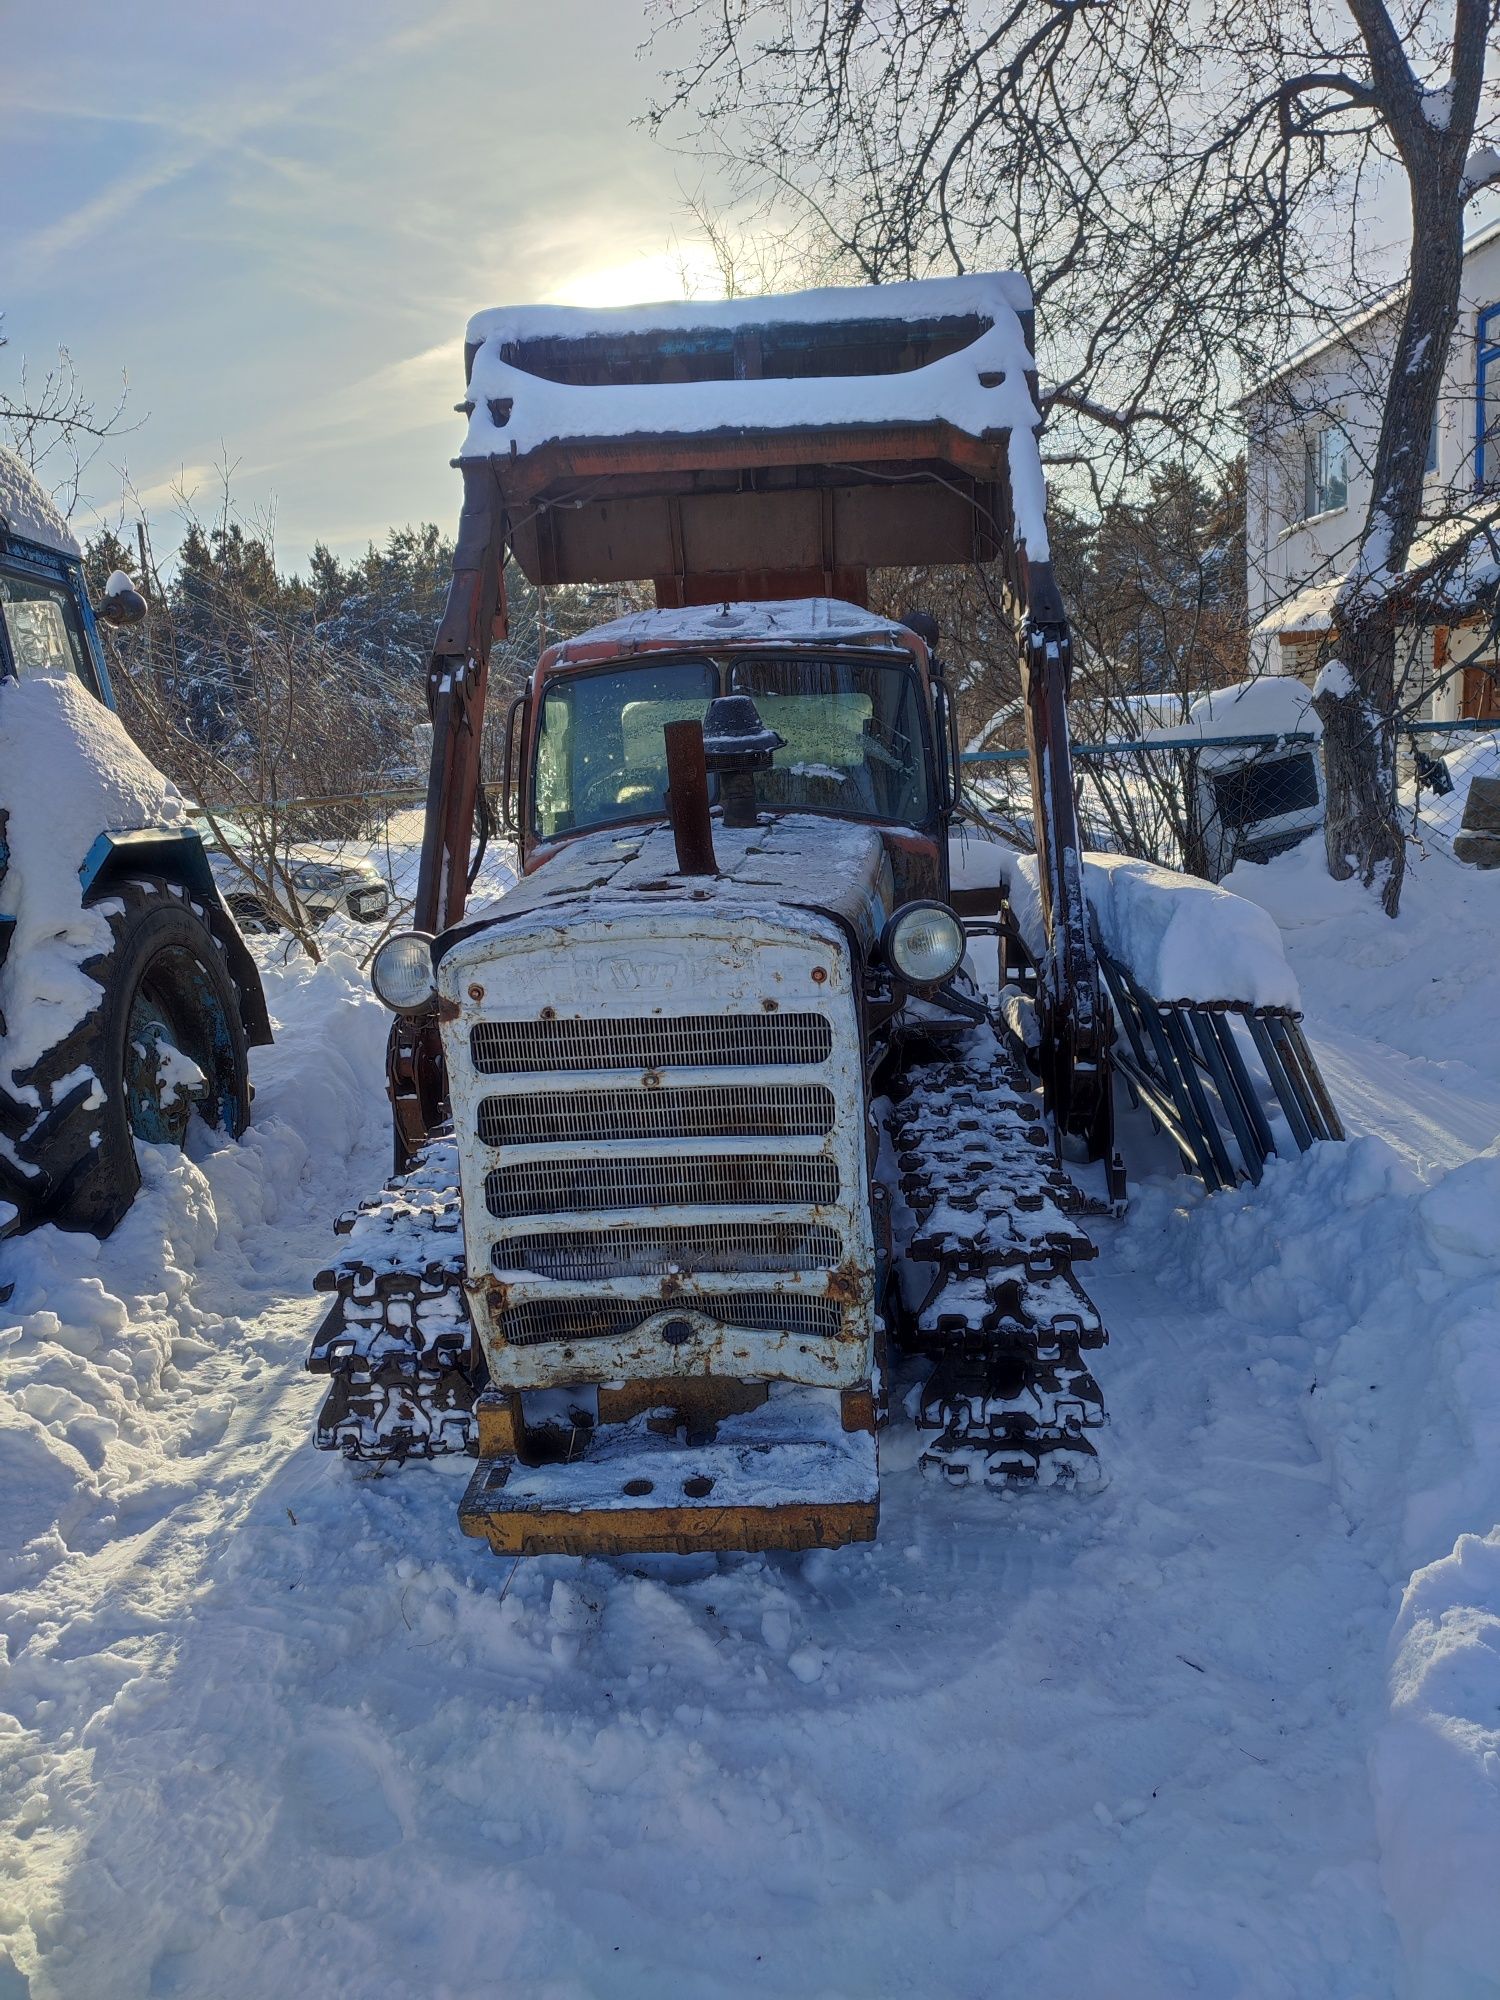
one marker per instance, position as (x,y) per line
(1325,478)
(1487,411)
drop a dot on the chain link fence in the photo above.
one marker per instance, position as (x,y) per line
(1201,805)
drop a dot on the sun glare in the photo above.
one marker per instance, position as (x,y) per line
(688,273)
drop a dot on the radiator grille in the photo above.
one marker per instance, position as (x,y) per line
(651,1251)
(534,1321)
(699,1111)
(510,1048)
(552,1187)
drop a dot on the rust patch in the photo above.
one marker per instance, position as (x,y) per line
(820,975)
(770,1006)
(476,992)
(448,1010)
(849,1284)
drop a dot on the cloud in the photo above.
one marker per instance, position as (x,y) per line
(207,132)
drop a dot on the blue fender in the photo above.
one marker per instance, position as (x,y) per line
(176,854)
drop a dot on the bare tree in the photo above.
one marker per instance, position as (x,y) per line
(1430,122)
(1182,188)
(52,423)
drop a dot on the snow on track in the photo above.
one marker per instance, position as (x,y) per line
(277,1727)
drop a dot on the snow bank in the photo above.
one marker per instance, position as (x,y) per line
(1183,940)
(1381,1305)
(100,1340)
(68,772)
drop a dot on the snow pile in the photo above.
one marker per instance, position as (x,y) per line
(101,1340)
(68,772)
(1182,940)
(1380,1305)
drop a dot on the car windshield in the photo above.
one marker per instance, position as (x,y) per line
(853,729)
(44,629)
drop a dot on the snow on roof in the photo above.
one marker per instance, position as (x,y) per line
(1271,705)
(1456,558)
(26,510)
(989,294)
(981,390)
(1308,610)
(782,621)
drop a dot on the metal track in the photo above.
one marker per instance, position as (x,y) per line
(987,1238)
(397,1341)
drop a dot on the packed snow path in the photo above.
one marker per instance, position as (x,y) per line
(279,1728)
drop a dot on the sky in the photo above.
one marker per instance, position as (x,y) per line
(274,220)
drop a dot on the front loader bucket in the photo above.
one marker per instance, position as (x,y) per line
(1212,1076)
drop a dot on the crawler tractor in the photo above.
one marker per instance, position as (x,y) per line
(712,1123)
(128,998)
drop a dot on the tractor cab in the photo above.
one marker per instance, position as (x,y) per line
(46,621)
(856,726)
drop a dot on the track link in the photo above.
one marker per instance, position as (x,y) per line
(987,1233)
(397,1341)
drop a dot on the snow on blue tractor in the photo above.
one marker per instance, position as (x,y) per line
(128,998)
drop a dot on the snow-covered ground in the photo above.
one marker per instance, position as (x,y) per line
(1230,1729)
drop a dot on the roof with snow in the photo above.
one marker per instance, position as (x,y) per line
(936,353)
(26,509)
(777,621)
(1270,705)
(525,363)
(1453,567)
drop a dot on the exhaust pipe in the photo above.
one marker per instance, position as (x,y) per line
(687,799)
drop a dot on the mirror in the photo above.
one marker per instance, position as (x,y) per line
(123,604)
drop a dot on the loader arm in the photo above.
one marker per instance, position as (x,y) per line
(474,616)
(1077,1028)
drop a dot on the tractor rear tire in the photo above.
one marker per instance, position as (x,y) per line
(165,986)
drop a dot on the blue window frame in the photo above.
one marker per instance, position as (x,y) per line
(1487,400)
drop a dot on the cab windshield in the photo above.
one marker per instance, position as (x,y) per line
(43,628)
(855,740)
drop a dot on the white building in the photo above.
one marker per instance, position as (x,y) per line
(1313,429)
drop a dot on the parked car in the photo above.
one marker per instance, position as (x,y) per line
(326,881)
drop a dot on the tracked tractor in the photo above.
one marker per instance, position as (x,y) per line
(711,1135)
(128,998)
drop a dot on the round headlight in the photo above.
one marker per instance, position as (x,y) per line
(401,972)
(925,943)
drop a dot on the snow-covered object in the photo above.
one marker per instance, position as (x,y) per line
(117,583)
(981,390)
(1269,705)
(1454,560)
(776,621)
(68,772)
(26,509)
(1183,940)
(269,1717)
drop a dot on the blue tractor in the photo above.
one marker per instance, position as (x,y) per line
(128,998)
